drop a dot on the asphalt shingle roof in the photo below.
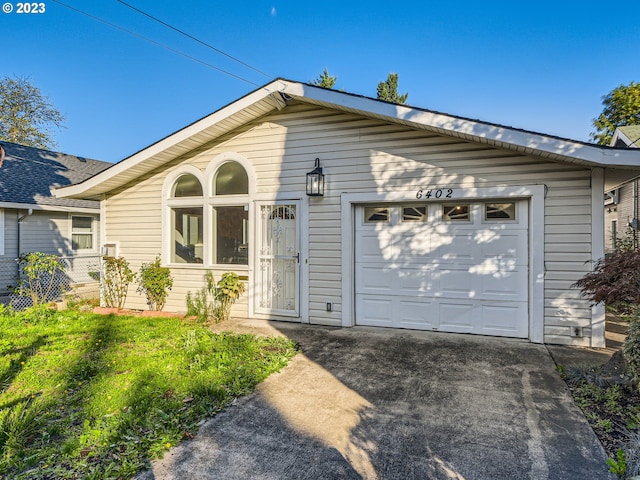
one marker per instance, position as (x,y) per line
(28,174)
(632,132)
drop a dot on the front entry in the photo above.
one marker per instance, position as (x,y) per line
(278,258)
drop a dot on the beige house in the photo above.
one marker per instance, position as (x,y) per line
(428,221)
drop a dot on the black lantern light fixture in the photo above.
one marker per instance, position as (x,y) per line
(315,181)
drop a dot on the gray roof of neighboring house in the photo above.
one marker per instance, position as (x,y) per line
(28,174)
(632,134)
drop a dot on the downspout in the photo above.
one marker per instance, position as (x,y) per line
(20,220)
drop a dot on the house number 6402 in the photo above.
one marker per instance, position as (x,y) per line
(438,193)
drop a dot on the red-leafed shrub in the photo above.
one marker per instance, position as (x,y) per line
(615,280)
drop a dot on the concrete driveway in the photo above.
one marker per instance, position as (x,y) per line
(395,404)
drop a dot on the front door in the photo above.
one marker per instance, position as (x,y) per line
(277,286)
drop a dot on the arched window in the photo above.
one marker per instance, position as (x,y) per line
(231,179)
(187,221)
(230,216)
(186,186)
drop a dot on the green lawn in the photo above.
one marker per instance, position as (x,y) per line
(91,396)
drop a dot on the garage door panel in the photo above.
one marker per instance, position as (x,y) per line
(415,314)
(505,285)
(456,317)
(375,311)
(505,320)
(506,245)
(454,248)
(377,247)
(372,278)
(457,283)
(417,281)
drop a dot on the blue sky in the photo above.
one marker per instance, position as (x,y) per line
(541,66)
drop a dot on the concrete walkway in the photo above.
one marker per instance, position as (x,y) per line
(395,404)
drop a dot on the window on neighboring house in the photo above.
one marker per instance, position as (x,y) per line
(230,215)
(82,233)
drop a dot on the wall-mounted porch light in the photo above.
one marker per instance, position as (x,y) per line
(315,181)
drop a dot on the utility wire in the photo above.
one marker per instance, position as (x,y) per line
(173,50)
(194,38)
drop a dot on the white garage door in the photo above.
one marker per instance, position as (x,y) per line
(453,267)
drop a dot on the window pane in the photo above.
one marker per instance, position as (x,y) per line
(231,179)
(81,224)
(231,234)
(376,214)
(414,214)
(82,241)
(499,211)
(187,235)
(187,186)
(455,212)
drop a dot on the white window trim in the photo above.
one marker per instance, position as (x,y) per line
(207,202)
(94,236)
(533,193)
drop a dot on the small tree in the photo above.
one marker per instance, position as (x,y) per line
(116,277)
(38,276)
(388,90)
(325,80)
(26,115)
(621,107)
(154,282)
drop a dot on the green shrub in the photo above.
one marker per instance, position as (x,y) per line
(154,282)
(39,274)
(116,277)
(228,290)
(631,348)
(215,299)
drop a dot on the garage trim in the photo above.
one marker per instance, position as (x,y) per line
(534,193)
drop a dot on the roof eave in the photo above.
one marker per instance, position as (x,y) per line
(268,98)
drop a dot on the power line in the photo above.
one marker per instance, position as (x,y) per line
(194,38)
(166,47)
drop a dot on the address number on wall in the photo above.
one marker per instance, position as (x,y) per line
(435,193)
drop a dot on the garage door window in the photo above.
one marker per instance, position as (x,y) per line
(456,213)
(499,211)
(376,214)
(414,214)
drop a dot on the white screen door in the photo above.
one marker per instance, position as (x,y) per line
(278,268)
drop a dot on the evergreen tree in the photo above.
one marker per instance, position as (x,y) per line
(324,80)
(388,90)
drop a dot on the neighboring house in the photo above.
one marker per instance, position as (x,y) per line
(428,221)
(32,219)
(622,203)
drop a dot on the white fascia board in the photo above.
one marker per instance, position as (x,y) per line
(121,168)
(48,208)
(574,152)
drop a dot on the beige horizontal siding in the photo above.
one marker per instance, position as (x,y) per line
(363,155)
